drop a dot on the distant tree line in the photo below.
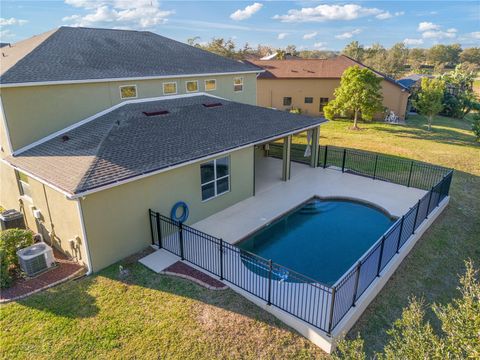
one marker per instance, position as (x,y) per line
(399,59)
(395,61)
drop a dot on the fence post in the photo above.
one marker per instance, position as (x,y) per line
(343,161)
(325,157)
(429,201)
(400,234)
(332,306)
(151,225)
(221,259)
(381,256)
(180,228)
(270,268)
(416,215)
(159,231)
(410,174)
(357,278)
(375,168)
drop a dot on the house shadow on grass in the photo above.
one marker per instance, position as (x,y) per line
(228,300)
(442,131)
(69,300)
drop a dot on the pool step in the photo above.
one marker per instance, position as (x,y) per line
(311,208)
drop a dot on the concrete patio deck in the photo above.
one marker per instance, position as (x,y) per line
(274,197)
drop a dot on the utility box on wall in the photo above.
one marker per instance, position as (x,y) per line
(11,219)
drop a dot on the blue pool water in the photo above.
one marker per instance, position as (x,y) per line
(321,239)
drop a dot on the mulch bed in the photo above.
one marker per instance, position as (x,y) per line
(22,287)
(187,272)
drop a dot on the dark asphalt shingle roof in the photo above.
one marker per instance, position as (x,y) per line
(411,80)
(125,143)
(86,53)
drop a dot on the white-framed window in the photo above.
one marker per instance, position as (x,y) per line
(23,185)
(170,88)
(191,86)
(210,85)
(215,177)
(238,84)
(128,91)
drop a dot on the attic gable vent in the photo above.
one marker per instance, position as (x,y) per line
(210,105)
(155,113)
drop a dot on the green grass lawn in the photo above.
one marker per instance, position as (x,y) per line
(153,316)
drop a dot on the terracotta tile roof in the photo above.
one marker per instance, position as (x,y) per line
(331,68)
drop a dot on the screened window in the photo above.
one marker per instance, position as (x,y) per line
(287,101)
(323,102)
(309,100)
(192,86)
(215,177)
(170,88)
(238,84)
(210,85)
(128,91)
(23,185)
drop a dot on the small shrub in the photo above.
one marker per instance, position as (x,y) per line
(11,241)
(412,337)
(295,111)
(476,126)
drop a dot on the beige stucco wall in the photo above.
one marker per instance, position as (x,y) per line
(55,208)
(270,93)
(36,111)
(116,220)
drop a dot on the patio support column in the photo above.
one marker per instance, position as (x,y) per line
(287,146)
(315,142)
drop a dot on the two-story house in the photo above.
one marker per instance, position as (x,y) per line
(98,125)
(309,84)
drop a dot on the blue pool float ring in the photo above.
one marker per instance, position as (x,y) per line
(184,216)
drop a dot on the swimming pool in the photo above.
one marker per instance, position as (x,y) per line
(321,239)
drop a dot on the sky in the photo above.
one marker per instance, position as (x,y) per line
(321,25)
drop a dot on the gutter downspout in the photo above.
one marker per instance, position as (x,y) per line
(84,236)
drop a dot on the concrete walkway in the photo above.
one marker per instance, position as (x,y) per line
(274,197)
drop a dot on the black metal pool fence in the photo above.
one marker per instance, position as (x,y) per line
(318,304)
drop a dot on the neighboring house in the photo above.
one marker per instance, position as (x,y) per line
(100,125)
(412,82)
(309,84)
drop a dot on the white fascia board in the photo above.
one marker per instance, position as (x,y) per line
(88,81)
(103,112)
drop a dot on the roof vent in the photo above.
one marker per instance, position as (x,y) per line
(210,105)
(65,138)
(155,113)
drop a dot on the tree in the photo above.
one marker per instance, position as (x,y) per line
(292,50)
(476,126)
(459,98)
(396,59)
(430,98)
(416,58)
(358,93)
(281,54)
(412,338)
(444,54)
(471,58)
(354,50)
